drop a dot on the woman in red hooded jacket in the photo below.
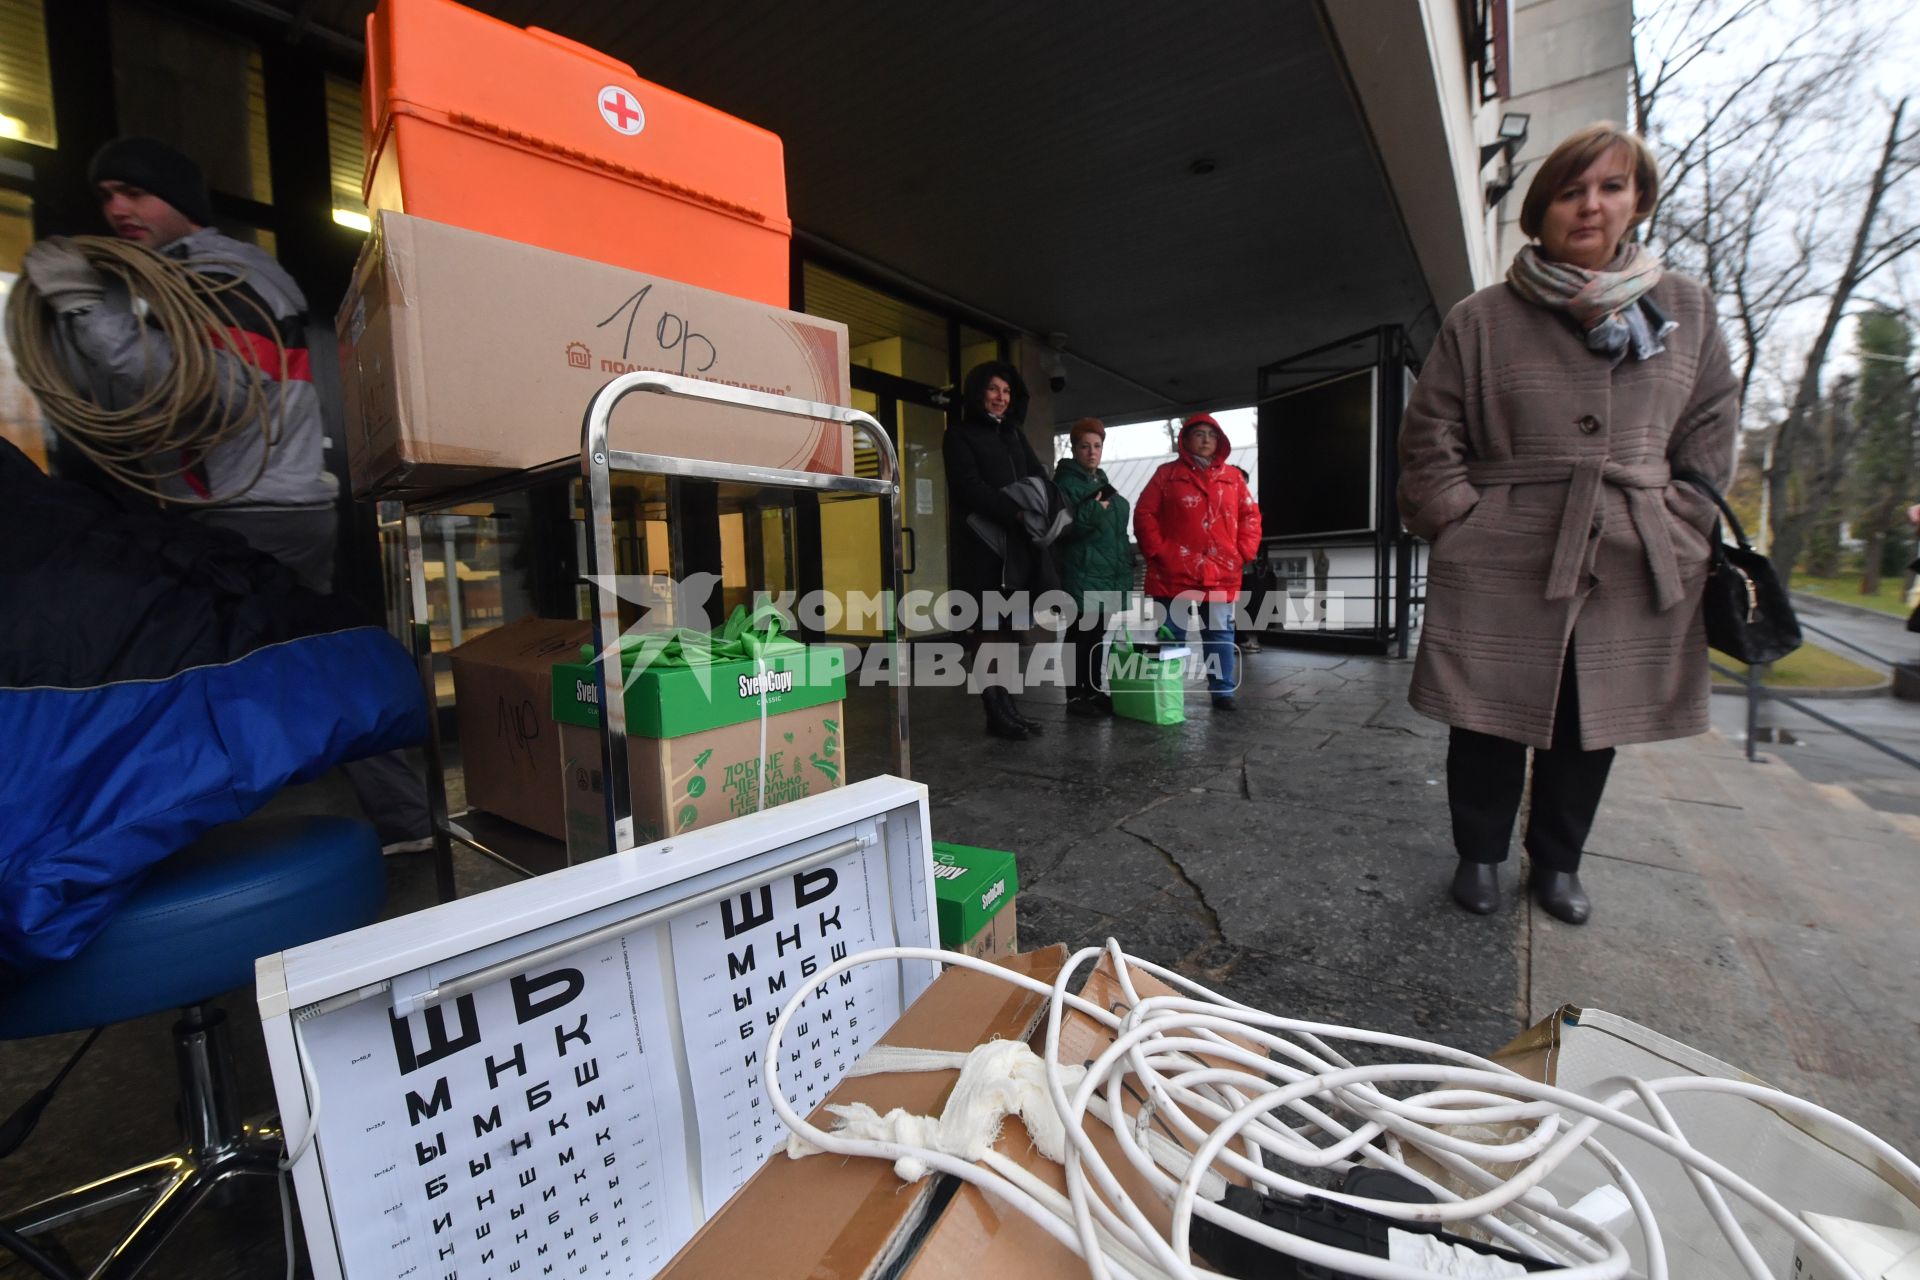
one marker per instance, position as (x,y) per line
(1197,525)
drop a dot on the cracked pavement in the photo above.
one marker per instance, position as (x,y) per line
(1295,856)
(1291,855)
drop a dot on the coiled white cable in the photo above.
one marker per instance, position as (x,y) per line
(1238,1085)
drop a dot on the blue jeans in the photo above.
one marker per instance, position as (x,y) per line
(1216,638)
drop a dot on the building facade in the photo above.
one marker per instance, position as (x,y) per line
(1140,205)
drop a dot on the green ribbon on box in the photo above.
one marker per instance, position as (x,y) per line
(757,636)
(748,636)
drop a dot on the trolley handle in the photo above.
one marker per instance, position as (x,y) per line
(600,411)
(595,463)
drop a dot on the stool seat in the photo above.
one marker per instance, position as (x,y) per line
(202,917)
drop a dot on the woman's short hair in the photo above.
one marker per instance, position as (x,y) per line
(1574,156)
(1087,427)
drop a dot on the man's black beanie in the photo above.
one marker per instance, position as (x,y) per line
(155,167)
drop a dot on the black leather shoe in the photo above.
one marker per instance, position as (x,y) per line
(1476,886)
(1560,896)
(1222,703)
(999,723)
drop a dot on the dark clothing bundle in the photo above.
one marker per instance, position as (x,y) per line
(1024,549)
(158,677)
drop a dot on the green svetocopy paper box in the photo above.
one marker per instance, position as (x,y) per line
(671,701)
(970,886)
(695,742)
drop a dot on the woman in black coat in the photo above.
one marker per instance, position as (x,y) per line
(985,452)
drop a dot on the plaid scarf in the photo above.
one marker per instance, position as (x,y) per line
(1600,302)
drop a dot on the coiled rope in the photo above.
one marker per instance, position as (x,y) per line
(209,392)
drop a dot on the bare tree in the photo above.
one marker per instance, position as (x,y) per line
(1873,247)
(1771,101)
(1746,196)
(1754,255)
(1679,36)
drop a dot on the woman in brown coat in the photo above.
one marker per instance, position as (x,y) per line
(1538,454)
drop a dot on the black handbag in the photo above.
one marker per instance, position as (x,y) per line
(1913,619)
(1749,614)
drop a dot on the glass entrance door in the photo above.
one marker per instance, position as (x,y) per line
(915,416)
(905,361)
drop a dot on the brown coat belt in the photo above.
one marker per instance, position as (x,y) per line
(1644,486)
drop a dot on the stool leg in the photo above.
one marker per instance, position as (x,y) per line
(141,1182)
(205,1060)
(217,1148)
(257,1155)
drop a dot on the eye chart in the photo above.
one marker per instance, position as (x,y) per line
(535,1120)
(738,964)
(566,1076)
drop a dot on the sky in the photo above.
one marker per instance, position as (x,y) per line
(1150,439)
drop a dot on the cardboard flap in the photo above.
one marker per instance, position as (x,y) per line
(851,1219)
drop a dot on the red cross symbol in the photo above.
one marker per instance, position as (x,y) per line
(621,111)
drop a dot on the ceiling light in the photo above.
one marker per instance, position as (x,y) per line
(349,218)
(11,127)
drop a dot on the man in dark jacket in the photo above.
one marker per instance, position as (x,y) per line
(1096,560)
(278,497)
(985,453)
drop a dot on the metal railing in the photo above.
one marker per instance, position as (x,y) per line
(1756,691)
(1825,634)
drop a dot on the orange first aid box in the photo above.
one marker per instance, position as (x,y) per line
(529,136)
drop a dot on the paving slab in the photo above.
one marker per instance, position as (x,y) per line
(1294,854)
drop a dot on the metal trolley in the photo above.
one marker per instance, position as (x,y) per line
(529,853)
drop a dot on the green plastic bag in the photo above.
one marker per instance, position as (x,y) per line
(1144,687)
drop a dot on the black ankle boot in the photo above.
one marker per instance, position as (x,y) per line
(1000,721)
(1476,886)
(1033,727)
(1560,896)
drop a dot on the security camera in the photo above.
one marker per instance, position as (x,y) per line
(1057,362)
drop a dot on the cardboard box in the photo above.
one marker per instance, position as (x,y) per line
(1801,1161)
(694,742)
(973,892)
(503,705)
(464,356)
(1000,939)
(1876,1252)
(853,1219)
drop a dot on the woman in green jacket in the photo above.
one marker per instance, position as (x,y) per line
(1096,560)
